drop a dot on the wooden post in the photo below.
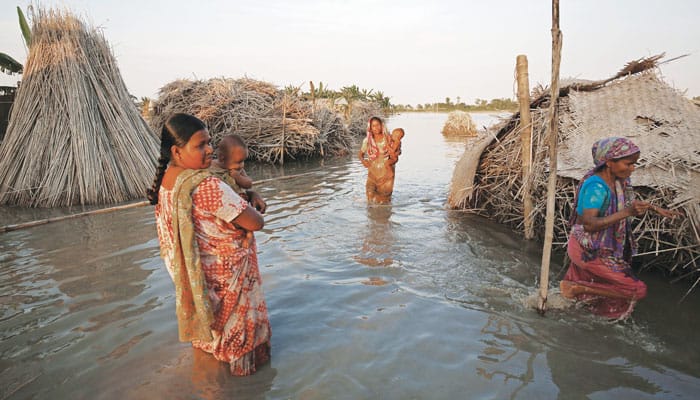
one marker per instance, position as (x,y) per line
(526,141)
(552,135)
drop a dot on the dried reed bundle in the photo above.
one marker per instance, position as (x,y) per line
(361,112)
(75,136)
(459,123)
(276,125)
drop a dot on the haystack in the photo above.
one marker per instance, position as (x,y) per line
(74,136)
(635,103)
(276,125)
(361,112)
(459,123)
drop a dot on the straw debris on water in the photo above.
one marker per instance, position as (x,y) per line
(459,123)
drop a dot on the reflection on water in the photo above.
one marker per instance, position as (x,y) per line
(408,300)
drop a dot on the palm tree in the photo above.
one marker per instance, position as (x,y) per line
(350,94)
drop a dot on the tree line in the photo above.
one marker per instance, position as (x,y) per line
(501,104)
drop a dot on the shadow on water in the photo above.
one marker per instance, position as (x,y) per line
(408,300)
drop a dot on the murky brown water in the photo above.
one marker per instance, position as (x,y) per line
(401,301)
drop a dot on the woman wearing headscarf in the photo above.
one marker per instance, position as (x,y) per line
(379,157)
(601,243)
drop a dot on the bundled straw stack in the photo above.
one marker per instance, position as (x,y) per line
(635,103)
(361,112)
(275,124)
(459,123)
(75,136)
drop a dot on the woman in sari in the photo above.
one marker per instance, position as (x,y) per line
(202,226)
(601,244)
(377,154)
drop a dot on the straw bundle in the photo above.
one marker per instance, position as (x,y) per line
(75,136)
(362,111)
(276,125)
(488,179)
(459,123)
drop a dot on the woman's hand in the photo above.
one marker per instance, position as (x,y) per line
(637,208)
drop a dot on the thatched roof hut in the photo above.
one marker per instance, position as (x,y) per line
(276,124)
(635,103)
(74,136)
(459,123)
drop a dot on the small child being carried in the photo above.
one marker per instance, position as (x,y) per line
(395,146)
(231,155)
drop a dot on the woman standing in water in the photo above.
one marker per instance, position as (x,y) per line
(202,226)
(379,157)
(601,244)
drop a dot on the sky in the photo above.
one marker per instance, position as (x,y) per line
(413,51)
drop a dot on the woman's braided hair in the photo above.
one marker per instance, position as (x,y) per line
(176,131)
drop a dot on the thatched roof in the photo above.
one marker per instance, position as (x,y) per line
(635,103)
(276,124)
(664,124)
(74,136)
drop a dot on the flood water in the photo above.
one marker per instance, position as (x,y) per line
(403,301)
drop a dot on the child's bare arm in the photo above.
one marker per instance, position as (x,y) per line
(242,179)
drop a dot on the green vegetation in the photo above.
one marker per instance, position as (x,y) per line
(348,93)
(448,105)
(8,64)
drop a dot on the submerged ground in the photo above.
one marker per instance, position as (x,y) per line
(403,301)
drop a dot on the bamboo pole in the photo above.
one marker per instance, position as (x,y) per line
(526,140)
(24,225)
(552,135)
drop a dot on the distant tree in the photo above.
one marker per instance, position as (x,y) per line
(447,101)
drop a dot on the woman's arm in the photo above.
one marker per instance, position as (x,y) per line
(593,223)
(361,156)
(250,219)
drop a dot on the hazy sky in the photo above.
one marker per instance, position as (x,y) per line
(413,51)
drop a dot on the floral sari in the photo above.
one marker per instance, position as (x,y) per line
(600,271)
(219,299)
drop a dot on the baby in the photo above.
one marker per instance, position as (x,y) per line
(228,166)
(396,136)
(231,155)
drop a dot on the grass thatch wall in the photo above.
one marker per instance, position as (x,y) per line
(74,136)
(487,180)
(276,125)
